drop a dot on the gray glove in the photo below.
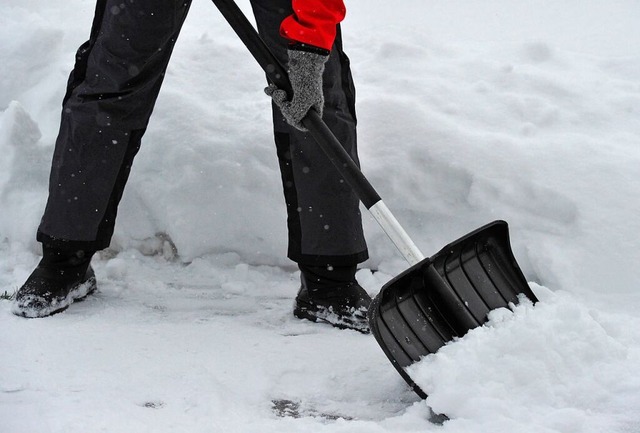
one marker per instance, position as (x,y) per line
(305,74)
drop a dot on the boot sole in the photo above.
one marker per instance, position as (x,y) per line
(77,294)
(316,315)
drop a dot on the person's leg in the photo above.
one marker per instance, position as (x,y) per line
(324,218)
(110,96)
(323,215)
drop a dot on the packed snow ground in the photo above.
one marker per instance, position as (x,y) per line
(468,112)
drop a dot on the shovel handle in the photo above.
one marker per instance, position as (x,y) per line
(329,144)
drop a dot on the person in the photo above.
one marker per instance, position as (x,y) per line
(110,96)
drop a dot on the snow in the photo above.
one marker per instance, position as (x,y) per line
(560,366)
(468,112)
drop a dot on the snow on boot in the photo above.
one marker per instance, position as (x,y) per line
(60,278)
(343,305)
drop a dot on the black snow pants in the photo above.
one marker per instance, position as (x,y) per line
(110,96)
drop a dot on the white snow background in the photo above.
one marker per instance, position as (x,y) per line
(469,111)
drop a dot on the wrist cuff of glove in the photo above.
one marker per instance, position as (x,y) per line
(300,46)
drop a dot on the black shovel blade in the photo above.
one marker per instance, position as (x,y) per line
(446,295)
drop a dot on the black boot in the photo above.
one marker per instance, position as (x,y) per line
(332,295)
(60,278)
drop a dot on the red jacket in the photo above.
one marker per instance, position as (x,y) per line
(314,22)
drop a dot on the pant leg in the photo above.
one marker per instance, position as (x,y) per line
(323,213)
(110,95)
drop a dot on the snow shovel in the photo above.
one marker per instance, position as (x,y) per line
(437,298)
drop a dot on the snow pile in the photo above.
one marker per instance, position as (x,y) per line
(467,113)
(23,173)
(557,367)
(509,132)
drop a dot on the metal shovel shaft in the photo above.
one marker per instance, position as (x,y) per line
(396,233)
(321,133)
